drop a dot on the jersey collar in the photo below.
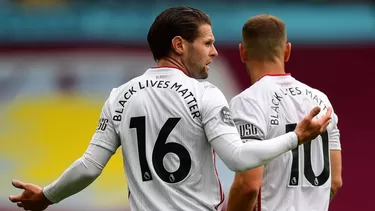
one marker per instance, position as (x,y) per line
(173,67)
(281,74)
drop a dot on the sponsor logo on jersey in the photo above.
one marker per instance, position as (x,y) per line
(102,125)
(249,131)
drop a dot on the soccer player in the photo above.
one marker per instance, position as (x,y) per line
(170,125)
(303,178)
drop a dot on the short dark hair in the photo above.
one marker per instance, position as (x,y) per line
(175,21)
(263,37)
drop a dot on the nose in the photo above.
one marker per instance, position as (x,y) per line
(214,51)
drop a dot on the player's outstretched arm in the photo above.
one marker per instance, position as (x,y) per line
(32,198)
(80,174)
(77,177)
(240,156)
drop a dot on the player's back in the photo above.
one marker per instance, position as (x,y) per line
(168,161)
(299,179)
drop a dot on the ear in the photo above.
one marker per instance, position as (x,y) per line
(178,45)
(243,54)
(287,51)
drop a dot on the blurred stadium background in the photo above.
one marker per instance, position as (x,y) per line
(59,59)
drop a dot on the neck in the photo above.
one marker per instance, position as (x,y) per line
(172,62)
(257,69)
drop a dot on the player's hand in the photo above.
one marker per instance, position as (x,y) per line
(32,198)
(309,128)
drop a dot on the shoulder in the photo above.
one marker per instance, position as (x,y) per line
(246,104)
(210,90)
(256,94)
(212,97)
(117,92)
(317,95)
(207,85)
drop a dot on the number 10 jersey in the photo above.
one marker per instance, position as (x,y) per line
(299,179)
(164,122)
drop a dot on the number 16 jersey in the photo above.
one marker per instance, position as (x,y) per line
(164,121)
(299,179)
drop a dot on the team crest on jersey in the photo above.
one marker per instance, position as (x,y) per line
(226,116)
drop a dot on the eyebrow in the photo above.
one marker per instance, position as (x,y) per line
(212,40)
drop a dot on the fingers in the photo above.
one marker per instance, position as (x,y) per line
(19,204)
(327,117)
(18,184)
(324,127)
(329,113)
(325,120)
(15,198)
(315,111)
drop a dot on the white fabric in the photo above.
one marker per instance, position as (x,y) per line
(169,126)
(79,175)
(239,156)
(235,154)
(271,107)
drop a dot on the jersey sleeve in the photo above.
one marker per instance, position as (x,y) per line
(334,134)
(249,118)
(216,116)
(333,130)
(105,135)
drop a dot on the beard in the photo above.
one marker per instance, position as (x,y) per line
(200,73)
(196,68)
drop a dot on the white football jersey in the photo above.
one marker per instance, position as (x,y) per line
(164,121)
(299,179)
